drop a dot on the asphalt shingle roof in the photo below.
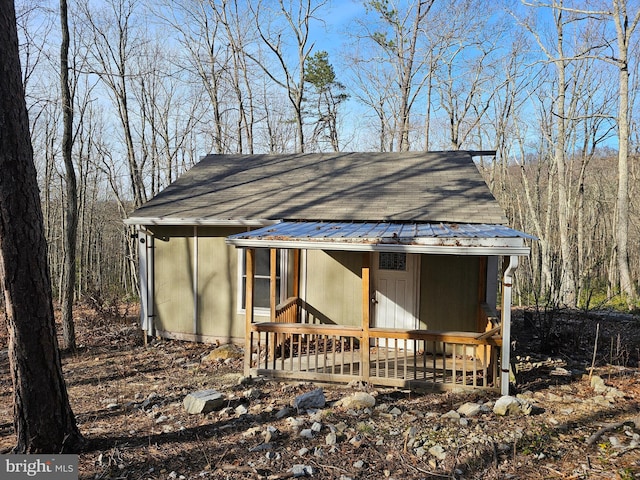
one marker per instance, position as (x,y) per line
(390,187)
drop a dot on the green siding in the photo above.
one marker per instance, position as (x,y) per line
(449,292)
(173,280)
(217,278)
(334,287)
(448,284)
(216,281)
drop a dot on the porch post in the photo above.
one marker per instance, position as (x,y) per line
(366,318)
(296,273)
(507,284)
(250,255)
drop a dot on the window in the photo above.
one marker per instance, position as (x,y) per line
(261,287)
(392,261)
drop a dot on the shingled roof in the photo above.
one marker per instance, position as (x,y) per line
(389,187)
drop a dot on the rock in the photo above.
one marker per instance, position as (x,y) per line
(284,412)
(251,432)
(295,423)
(306,433)
(241,410)
(438,452)
(451,415)
(357,401)
(252,394)
(469,409)
(331,439)
(601,401)
(614,393)
(359,384)
(395,411)
(508,405)
(358,464)
(150,401)
(310,400)
(315,416)
(560,372)
(301,471)
(224,352)
(597,383)
(316,427)
(340,427)
(356,440)
(203,401)
(552,397)
(262,447)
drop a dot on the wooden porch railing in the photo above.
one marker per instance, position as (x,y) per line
(288,311)
(403,358)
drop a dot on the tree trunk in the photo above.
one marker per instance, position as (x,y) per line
(567,285)
(71,205)
(624,31)
(43,420)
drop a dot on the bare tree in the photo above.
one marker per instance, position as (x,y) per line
(112,42)
(298,16)
(625,28)
(395,39)
(555,55)
(43,420)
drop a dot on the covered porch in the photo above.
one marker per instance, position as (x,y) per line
(296,344)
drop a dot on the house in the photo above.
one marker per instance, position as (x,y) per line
(383,267)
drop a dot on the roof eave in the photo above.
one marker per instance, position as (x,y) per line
(481,247)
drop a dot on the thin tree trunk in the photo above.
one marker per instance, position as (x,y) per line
(71,204)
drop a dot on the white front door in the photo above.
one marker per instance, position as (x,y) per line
(395,279)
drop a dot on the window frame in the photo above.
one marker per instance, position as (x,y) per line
(241,282)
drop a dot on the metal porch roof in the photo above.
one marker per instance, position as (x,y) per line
(435,238)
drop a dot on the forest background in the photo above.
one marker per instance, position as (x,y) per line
(552,87)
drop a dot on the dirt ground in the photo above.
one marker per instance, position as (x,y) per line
(127,398)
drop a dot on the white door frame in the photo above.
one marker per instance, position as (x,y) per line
(413,279)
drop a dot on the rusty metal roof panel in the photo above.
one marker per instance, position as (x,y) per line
(353,231)
(418,237)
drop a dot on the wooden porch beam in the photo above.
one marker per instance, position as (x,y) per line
(296,273)
(366,315)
